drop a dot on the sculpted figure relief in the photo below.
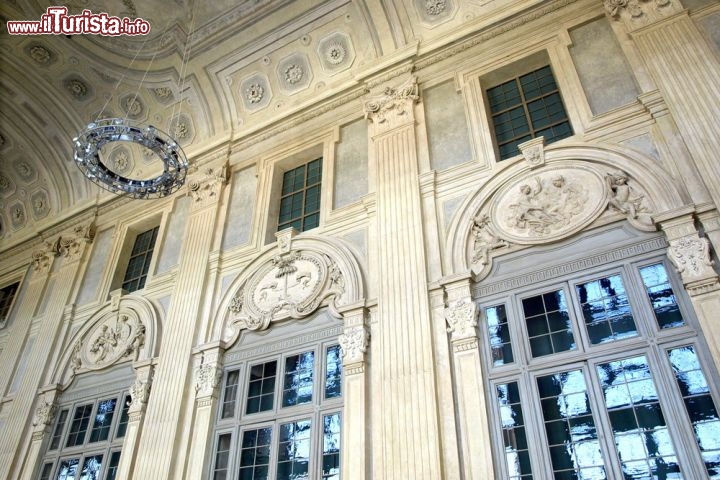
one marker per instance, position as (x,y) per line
(485,240)
(622,196)
(542,208)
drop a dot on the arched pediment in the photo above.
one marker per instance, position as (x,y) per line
(291,279)
(555,193)
(125,329)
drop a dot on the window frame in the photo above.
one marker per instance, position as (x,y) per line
(315,410)
(651,342)
(85,449)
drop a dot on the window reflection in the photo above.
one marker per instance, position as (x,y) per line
(606,310)
(499,335)
(298,385)
(91,468)
(68,469)
(517,456)
(294,450)
(641,435)
(333,372)
(662,298)
(331,447)
(103,419)
(572,438)
(699,405)
(79,425)
(548,323)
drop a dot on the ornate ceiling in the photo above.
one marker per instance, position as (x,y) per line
(249,63)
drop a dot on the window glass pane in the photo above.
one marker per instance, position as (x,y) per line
(230,394)
(222,455)
(294,450)
(548,324)
(517,456)
(699,405)
(91,468)
(103,419)
(122,424)
(606,310)
(333,372)
(300,200)
(331,447)
(261,387)
(113,465)
(642,438)
(298,384)
(68,469)
(499,335)
(79,425)
(661,296)
(58,431)
(572,437)
(139,262)
(540,102)
(46,471)
(255,454)
(7,294)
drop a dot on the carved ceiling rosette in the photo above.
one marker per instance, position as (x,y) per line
(116,338)
(289,285)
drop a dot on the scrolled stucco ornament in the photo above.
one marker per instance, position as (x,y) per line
(288,285)
(139,393)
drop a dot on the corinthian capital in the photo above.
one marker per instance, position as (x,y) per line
(637,13)
(394,106)
(205,187)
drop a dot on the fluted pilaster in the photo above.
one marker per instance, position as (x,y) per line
(407,416)
(163,449)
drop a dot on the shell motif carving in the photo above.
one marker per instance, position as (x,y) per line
(545,206)
(291,285)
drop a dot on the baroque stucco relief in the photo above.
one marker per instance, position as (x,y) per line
(542,203)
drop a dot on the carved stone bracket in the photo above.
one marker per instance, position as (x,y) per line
(394,106)
(461,317)
(353,345)
(205,187)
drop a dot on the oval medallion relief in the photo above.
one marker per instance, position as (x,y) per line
(542,207)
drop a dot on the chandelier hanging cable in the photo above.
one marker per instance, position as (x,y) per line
(88,145)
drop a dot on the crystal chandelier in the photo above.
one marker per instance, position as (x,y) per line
(90,142)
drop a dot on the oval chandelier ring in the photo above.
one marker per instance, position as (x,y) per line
(96,135)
